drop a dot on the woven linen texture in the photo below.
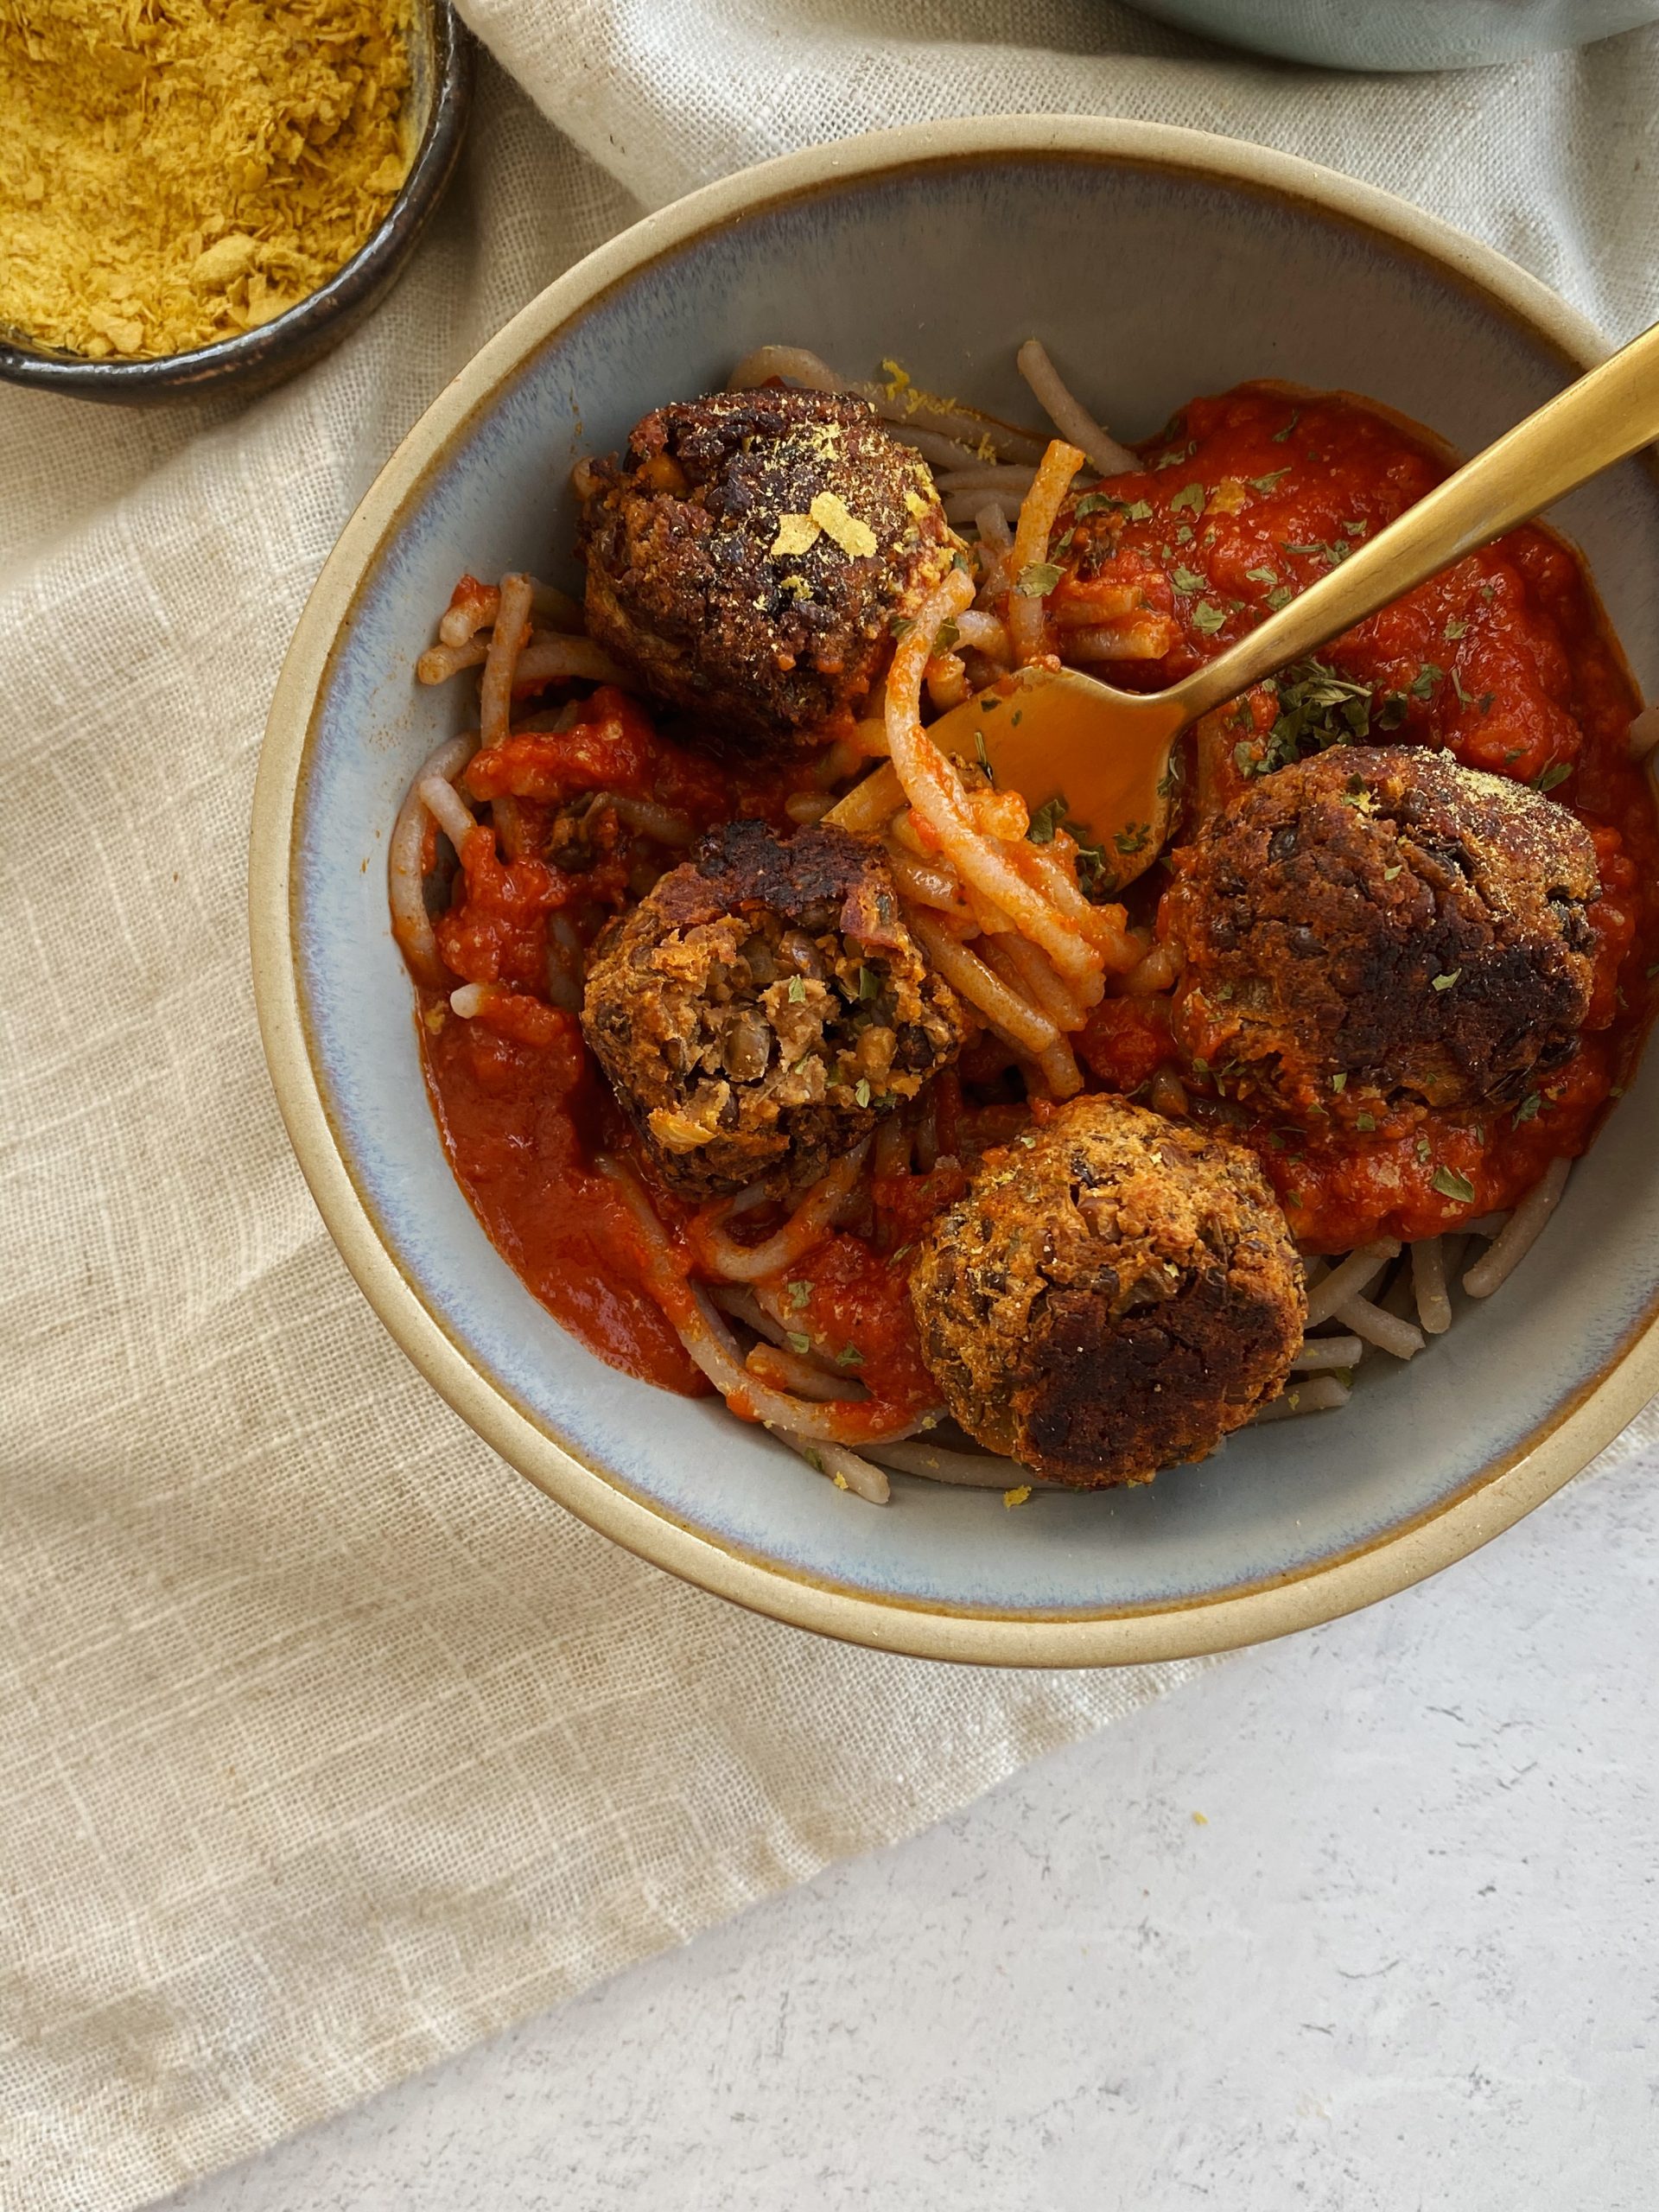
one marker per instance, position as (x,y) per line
(326,1744)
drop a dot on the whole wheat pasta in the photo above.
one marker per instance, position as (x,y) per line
(1105,927)
(1056,1062)
(507,641)
(723,1256)
(550,605)
(998,476)
(847,1469)
(937,450)
(792,363)
(1060,1071)
(411,924)
(1388,1332)
(947,681)
(447,808)
(963,1470)
(1320,1394)
(1041,984)
(961,507)
(1359,1268)
(695,1320)
(921,881)
(966,973)
(439,662)
(555,659)
(985,633)
(742,1303)
(1038,512)
(786,1369)
(1072,420)
(1317,1353)
(934,790)
(910,410)
(1517,1237)
(994,530)
(1156,973)
(1428,1282)
(662,823)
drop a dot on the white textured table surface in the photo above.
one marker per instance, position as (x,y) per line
(1410,1958)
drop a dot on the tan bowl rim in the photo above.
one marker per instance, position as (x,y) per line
(1498,1496)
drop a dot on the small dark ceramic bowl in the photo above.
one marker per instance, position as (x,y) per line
(439,96)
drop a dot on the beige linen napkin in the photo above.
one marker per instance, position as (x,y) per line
(327,1745)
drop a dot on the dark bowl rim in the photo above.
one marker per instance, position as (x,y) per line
(376,262)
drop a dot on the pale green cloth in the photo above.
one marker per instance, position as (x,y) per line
(326,1744)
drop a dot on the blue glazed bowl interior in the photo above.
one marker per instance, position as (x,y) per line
(948,267)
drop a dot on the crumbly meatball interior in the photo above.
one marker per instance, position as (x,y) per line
(1110,1296)
(764,1007)
(749,553)
(1377,929)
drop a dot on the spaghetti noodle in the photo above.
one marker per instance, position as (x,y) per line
(516,845)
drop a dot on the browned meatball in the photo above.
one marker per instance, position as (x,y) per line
(749,555)
(764,1007)
(1112,1294)
(1378,930)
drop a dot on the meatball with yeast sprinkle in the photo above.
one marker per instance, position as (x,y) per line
(749,553)
(764,1007)
(1113,1294)
(1381,930)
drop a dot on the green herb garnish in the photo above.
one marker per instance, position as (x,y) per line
(1037,579)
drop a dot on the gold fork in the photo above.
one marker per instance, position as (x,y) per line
(1109,752)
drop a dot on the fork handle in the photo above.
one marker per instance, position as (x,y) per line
(1601,418)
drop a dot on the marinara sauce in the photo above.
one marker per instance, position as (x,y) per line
(1505,659)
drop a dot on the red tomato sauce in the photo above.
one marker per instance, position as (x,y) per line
(1505,659)
(1245,499)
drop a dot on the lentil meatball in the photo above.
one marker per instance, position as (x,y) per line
(748,554)
(1381,930)
(1112,1294)
(764,1007)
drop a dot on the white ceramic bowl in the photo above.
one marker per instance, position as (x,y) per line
(1157,263)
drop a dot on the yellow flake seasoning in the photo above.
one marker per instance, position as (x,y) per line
(855,537)
(175,171)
